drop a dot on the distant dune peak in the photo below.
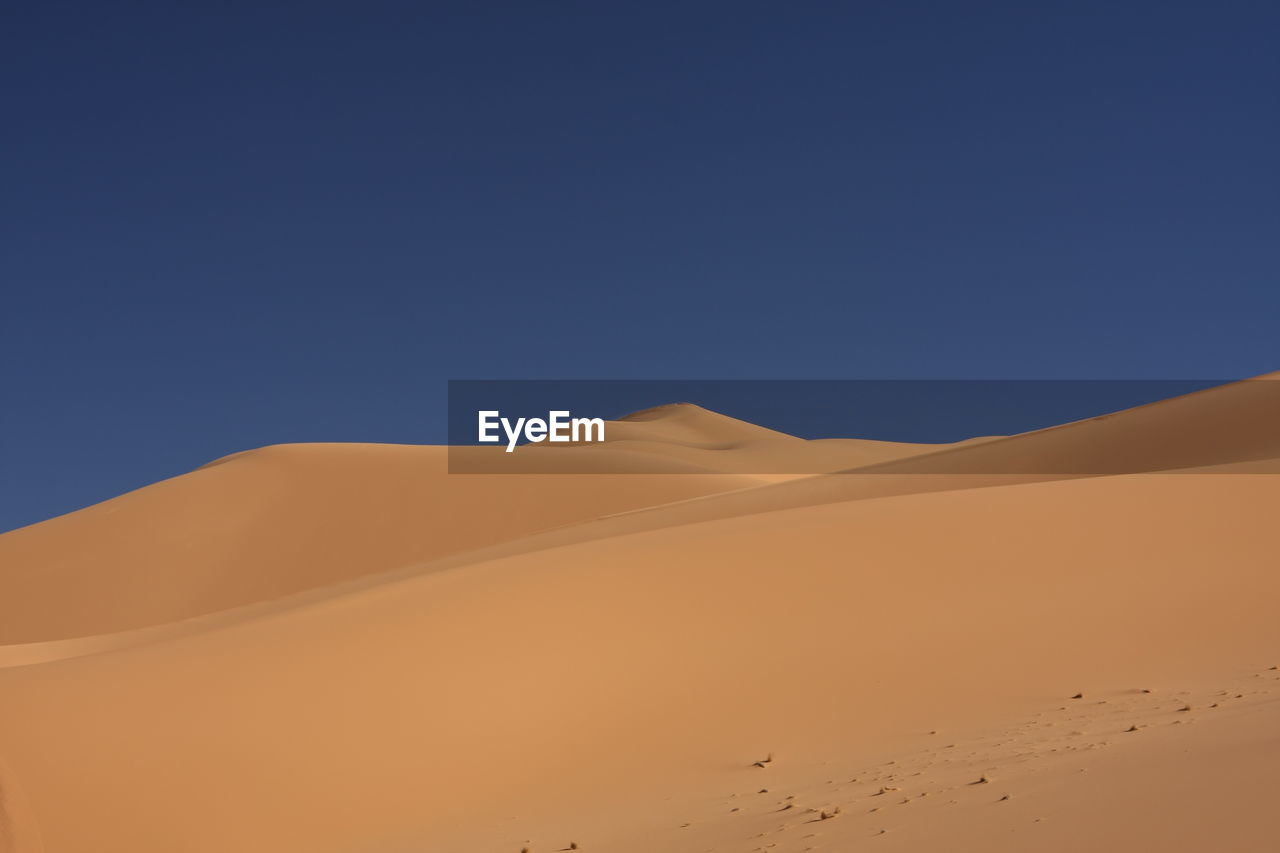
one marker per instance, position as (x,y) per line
(687,422)
(665,410)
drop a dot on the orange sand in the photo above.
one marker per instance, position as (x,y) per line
(345,648)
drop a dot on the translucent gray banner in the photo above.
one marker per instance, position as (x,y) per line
(871,427)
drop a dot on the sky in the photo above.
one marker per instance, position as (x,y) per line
(236,224)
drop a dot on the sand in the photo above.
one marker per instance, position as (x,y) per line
(1060,641)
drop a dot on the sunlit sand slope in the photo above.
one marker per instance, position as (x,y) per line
(567,694)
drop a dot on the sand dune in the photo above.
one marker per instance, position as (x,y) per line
(271,522)
(345,648)
(280,520)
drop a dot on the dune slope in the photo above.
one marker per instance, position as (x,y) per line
(284,519)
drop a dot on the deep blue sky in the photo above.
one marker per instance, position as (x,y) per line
(228,225)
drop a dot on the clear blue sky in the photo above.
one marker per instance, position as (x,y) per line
(234,224)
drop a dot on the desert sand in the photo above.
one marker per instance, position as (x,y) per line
(1064,640)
